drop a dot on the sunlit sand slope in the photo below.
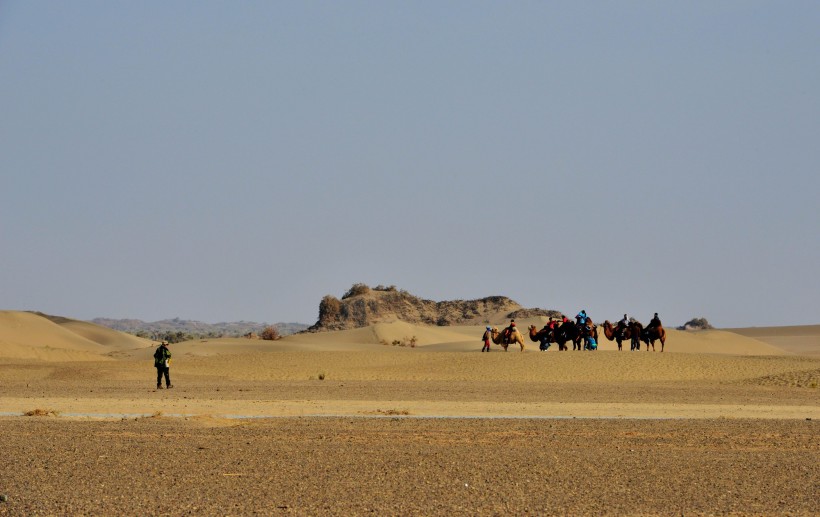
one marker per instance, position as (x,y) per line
(25,335)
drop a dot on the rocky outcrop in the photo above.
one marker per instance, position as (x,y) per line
(362,306)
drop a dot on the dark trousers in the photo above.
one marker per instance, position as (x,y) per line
(163,370)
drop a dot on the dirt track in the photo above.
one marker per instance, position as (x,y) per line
(348,466)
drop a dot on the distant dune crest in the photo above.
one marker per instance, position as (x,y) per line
(363,306)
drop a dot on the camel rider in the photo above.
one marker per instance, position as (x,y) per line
(564,318)
(551,326)
(508,332)
(655,322)
(581,318)
(623,324)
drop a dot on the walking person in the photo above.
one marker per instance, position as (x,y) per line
(486,339)
(162,362)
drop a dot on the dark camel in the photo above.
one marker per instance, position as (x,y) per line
(581,333)
(561,334)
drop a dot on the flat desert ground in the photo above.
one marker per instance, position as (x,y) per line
(348,423)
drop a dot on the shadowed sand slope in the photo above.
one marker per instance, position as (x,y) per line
(799,339)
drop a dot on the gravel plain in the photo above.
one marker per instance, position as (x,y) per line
(408,466)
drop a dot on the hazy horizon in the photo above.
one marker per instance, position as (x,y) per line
(218,162)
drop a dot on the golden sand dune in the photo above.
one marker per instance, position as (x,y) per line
(111,339)
(25,335)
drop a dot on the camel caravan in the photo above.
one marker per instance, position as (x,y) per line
(583,334)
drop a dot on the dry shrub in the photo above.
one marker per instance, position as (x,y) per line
(393,412)
(270,333)
(356,290)
(41,412)
(696,324)
(329,308)
(406,341)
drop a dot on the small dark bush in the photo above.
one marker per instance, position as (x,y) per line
(270,333)
(696,324)
(356,290)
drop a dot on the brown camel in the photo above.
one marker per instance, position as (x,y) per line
(652,334)
(611,332)
(514,337)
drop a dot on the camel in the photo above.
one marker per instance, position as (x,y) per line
(515,337)
(541,336)
(651,334)
(581,332)
(635,329)
(611,332)
(566,332)
(560,334)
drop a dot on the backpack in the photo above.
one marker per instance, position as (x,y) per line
(160,357)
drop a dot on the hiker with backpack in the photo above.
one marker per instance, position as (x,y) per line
(162,362)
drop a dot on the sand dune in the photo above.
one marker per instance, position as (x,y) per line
(801,339)
(26,335)
(468,338)
(111,339)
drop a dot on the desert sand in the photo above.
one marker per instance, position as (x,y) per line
(359,421)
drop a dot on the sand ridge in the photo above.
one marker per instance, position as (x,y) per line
(32,336)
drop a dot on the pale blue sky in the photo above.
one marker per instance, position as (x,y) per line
(221,160)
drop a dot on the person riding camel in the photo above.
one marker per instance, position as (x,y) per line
(623,325)
(584,322)
(655,322)
(551,326)
(508,332)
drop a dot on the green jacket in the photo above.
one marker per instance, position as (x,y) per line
(161,355)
